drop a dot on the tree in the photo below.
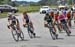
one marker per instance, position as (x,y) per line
(1,1)
(44,2)
(69,2)
(4,1)
(48,2)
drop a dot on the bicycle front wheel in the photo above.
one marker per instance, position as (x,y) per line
(15,35)
(52,34)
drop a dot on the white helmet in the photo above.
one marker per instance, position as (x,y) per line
(9,14)
(60,12)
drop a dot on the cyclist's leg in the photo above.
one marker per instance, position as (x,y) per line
(18,29)
(58,26)
(70,21)
(55,31)
(11,28)
(54,27)
(31,24)
(67,26)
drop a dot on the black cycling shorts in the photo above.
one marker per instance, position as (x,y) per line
(63,21)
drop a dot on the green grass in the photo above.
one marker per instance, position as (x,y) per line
(28,8)
(3,15)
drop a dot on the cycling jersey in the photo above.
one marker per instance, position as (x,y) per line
(68,15)
(26,18)
(48,18)
(13,20)
(61,17)
(56,16)
(52,14)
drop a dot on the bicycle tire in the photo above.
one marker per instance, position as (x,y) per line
(17,37)
(22,35)
(67,30)
(30,32)
(68,33)
(52,34)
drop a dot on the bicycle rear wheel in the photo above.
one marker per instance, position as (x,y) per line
(21,35)
(68,32)
(31,33)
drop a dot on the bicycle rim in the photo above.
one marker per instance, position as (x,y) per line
(67,31)
(15,35)
(52,35)
(22,36)
(30,34)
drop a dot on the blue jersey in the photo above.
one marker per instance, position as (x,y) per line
(64,12)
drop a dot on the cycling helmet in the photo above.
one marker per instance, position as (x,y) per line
(47,14)
(14,17)
(9,14)
(60,13)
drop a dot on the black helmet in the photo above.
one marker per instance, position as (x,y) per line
(14,17)
(47,14)
(9,15)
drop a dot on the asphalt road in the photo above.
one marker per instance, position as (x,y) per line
(43,38)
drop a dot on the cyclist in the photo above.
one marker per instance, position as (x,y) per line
(56,14)
(12,20)
(48,19)
(68,14)
(62,18)
(52,13)
(26,19)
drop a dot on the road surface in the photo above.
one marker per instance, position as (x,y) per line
(43,38)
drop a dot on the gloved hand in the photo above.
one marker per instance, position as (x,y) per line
(8,27)
(45,25)
(24,25)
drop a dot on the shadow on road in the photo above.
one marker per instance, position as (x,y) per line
(62,32)
(60,38)
(45,46)
(72,35)
(24,40)
(73,27)
(37,37)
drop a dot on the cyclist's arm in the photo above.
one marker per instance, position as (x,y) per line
(23,19)
(17,22)
(9,22)
(45,20)
(53,21)
(29,18)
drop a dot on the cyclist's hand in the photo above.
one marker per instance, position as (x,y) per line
(8,27)
(45,25)
(24,25)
